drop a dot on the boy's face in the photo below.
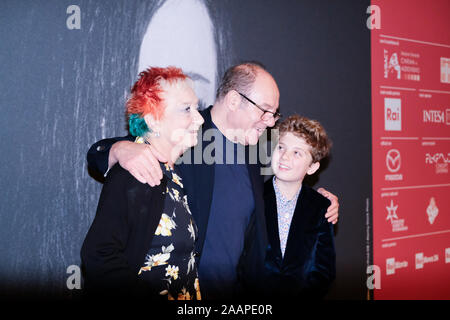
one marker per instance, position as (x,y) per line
(291,159)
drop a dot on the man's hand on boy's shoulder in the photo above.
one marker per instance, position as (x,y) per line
(333,210)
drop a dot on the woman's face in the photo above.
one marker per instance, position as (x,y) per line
(180,122)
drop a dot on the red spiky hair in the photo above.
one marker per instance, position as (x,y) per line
(146,92)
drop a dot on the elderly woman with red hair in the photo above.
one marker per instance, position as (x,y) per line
(142,240)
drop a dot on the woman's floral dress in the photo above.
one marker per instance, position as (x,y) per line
(170,265)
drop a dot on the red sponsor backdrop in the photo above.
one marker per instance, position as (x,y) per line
(411,149)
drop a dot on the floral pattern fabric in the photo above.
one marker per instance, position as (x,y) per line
(285,210)
(169,265)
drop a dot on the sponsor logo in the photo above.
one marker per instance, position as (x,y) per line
(396,223)
(392,212)
(432,210)
(391,65)
(421,259)
(447,255)
(440,160)
(392,114)
(401,65)
(392,265)
(436,116)
(393,164)
(437,158)
(393,160)
(445,70)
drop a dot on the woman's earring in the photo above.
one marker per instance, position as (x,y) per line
(151,131)
(156,132)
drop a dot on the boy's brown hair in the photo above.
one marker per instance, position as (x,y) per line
(311,131)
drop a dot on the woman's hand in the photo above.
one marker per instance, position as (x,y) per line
(141,160)
(333,210)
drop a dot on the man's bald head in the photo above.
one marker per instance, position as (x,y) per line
(240,77)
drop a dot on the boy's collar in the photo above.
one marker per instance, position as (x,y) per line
(280,194)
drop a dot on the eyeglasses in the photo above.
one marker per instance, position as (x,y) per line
(267,114)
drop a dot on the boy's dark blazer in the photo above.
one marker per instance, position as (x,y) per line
(309,263)
(198,180)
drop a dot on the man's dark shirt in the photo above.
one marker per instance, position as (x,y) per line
(231,208)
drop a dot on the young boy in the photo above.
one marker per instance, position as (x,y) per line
(301,259)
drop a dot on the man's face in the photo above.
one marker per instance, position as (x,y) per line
(247,119)
(180,34)
(292,159)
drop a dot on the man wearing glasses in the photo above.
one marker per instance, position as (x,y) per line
(226,199)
